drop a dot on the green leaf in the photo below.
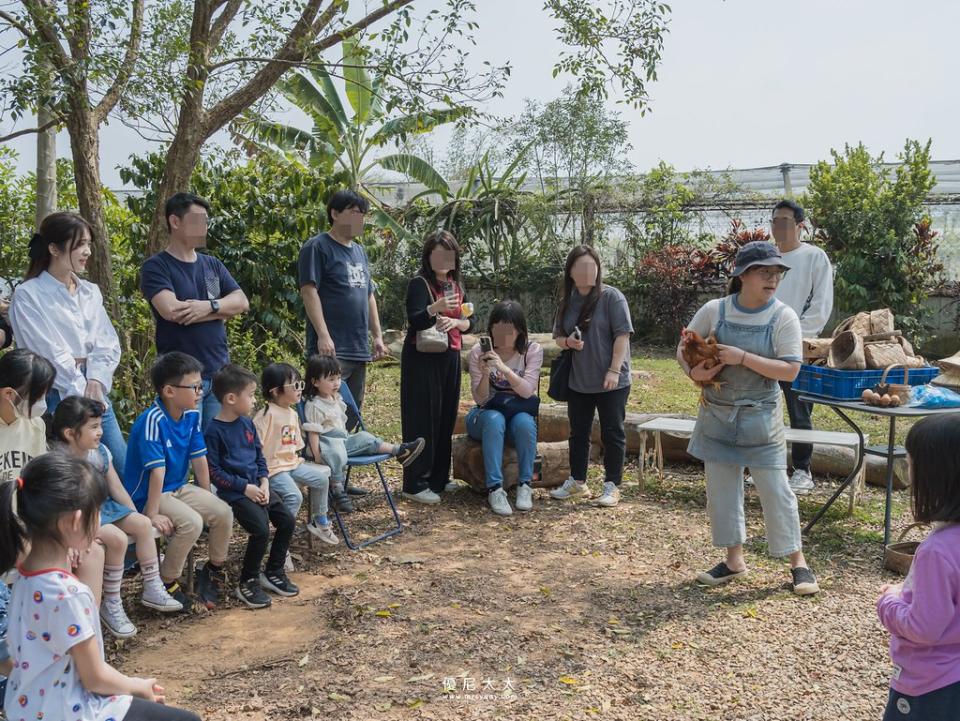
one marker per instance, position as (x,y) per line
(357,81)
(417,123)
(418,169)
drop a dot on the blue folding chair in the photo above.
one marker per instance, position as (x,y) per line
(371,460)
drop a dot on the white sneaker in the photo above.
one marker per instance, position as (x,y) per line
(499,502)
(524,497)
(569,489)
(155,596)
(801,482)
(453,486)
(323,532)
(610,495)
(425,496)
(115,619)
(288,566)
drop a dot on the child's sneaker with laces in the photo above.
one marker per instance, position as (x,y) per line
(409,452)
(569,489)
(278,583)
(115,619)
(252,594)
(210,584)
(156,596)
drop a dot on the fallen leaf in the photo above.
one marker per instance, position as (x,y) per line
(424,677)
(568,680)
(383,679)
(415,703)
(383,614)
(303,661)
(337,697)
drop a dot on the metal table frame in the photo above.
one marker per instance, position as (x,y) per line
(891,451)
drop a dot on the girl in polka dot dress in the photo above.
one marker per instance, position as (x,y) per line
(54,635)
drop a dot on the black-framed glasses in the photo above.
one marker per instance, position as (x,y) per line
(196,387)
(776,274)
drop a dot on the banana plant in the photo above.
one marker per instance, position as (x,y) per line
(352,138)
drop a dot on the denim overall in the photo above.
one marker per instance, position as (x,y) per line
(742,423)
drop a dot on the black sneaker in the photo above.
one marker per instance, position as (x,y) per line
(718,575)
(176,591)
(356,491)
(409,452)
(341,501)
(804,582)
(252,595)
(278,583)
(210,584)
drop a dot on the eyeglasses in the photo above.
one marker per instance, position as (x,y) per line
(297,385)
(770,274)
(196,388)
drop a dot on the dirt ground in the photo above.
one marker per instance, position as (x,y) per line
(568,612)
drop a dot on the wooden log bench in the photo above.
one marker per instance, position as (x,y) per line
(683,427)
(468,464)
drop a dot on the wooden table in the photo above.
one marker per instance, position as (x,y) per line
(890,451)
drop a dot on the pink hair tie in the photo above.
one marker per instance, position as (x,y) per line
(20,483)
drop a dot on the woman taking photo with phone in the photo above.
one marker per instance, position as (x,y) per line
(599,372)
(504,370)
(430,365)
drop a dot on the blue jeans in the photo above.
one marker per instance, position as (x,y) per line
(112,437)
(209,405)
(491,429)
(314,475)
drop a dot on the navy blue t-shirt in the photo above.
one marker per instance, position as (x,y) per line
(205,279)
(341,275)
(235,457)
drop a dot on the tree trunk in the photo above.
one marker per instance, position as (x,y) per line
(46,155)
(182,156)
(468,464)
(85,147)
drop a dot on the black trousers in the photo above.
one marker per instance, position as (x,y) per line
(429,399)
(255,520)
(939,705)
(799,413)
(141,710)
(611,407)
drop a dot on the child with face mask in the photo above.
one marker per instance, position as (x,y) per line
(26,379)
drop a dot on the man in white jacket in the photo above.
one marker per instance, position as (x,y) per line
(808,289)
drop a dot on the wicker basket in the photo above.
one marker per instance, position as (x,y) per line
(883,354)
(898,556)
(901,390)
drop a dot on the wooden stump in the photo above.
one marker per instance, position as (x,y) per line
(468,464)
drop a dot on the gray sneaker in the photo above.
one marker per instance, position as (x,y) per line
(610,495)
(499,502)
(524,497)
(115,619)
(569,489)
(801,482)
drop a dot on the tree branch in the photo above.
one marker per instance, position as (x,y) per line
(59,58)
(27,131)
(16,24)
(220,25)
(109,100)
(337,38)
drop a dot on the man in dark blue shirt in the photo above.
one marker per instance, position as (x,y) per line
(191,294)
(337,291)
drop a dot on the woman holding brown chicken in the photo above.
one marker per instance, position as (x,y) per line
(740,422)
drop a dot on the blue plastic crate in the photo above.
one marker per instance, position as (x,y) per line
(848,385)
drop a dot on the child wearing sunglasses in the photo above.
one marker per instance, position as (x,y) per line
(279,427)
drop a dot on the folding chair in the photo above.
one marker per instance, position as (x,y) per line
(375,461)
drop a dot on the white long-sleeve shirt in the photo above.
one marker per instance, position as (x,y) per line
(62,327)
(808,287)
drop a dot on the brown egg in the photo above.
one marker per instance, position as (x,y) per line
(885,400)
(865,396)
(895,401)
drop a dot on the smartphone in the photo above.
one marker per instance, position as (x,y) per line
(485,345)
(576,335)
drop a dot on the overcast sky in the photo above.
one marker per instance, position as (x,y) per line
(743,83)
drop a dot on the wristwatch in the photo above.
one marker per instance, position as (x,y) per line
(215,306)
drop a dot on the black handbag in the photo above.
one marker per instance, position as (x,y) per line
(509,404)
(559,388)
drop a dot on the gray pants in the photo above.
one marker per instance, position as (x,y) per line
(337,446)
(725,507)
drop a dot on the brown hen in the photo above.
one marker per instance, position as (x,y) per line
(695,350)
